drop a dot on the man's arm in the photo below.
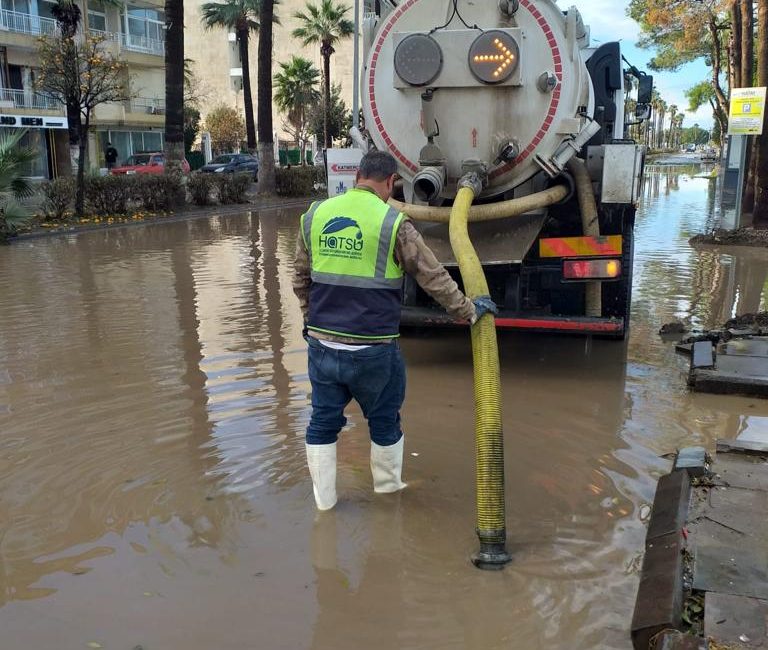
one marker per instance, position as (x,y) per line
(302,276)
(418,261)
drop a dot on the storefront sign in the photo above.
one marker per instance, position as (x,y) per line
(747,111)
(33,122)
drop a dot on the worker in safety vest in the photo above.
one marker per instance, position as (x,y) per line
(351,255)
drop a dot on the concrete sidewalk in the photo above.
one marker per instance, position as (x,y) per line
(705,571)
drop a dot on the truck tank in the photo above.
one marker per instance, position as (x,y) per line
(511,90)
(449,82)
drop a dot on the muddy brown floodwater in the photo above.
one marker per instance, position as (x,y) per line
(153,491)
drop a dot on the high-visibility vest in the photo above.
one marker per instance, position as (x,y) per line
(356,286)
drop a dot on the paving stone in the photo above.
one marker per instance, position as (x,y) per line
(741,572)
(703,355)
(741,471)
(743,446)
(729,619)
(693,460)
(743,366)
(747,347)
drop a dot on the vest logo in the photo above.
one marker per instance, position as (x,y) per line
(337,240)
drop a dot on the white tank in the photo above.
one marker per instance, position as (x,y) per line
(513,77)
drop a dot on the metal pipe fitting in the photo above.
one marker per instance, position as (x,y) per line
(428,183)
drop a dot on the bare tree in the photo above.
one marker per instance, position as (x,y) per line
(85,75)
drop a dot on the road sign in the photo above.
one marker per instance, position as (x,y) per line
(747,111)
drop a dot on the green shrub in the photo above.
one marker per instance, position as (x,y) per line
(196,160)
(232,188)
(106,195)
(200,188)
(298,181)
(58,196)
(155,192)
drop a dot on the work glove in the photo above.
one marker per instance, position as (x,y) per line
(483,305)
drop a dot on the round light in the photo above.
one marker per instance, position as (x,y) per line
(418,59)
(493,57)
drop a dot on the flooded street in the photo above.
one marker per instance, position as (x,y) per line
(153,487)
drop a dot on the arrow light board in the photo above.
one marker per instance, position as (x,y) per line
(493,57)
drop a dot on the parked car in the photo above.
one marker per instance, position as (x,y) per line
(690,148)
(230,163)
(710,154)
(145,163)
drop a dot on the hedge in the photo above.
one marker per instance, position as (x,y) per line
(299,181)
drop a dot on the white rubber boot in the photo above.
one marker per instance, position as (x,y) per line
(321,460)
(387,467)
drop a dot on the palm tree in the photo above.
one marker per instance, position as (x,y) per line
(241,17)
(174,84)
(296,92)
(324,24)
(672,114)
(14,160)
(266,139)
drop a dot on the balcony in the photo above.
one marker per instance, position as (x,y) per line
(13,21)
(147,106)
(142,44)
(29,100)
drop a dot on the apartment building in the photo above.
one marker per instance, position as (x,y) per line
(217,62)
(135,32)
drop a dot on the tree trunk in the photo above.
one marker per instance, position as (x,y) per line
(174,86)
(266,137)
(80,183)
(747,43)
(735,61)
(722,100)
(326,98)
(760,214)
(250,126)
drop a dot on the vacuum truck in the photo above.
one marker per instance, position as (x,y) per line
(512,91)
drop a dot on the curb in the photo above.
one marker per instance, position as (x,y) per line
(186,215)
(659,604)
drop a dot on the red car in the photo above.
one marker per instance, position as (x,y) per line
(145,163)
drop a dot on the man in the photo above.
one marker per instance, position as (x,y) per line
(351,255)
(110,155)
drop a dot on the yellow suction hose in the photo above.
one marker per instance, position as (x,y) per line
(489,440)
(502,210)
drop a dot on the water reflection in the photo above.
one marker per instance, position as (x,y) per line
(153,398)
(702,286)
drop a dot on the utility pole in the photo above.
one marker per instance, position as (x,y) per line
(356,68)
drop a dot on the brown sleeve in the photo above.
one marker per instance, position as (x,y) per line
(418,261)
(302,275)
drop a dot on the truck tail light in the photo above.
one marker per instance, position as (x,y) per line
(591,269)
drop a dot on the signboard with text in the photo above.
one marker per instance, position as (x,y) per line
(342,169)
(747,111)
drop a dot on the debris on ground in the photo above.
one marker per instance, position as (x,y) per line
(675,327)
(740,237)
(748,320)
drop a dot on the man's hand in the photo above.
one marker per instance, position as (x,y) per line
(483,305)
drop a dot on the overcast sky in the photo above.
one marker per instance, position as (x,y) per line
(608,21)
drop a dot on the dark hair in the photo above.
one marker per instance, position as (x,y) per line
(378,166)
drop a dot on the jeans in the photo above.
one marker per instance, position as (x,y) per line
(373,376)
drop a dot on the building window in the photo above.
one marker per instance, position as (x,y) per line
(143,24)
(19,6)
(97,16)
(34,139)
(44,8)
(128,143)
